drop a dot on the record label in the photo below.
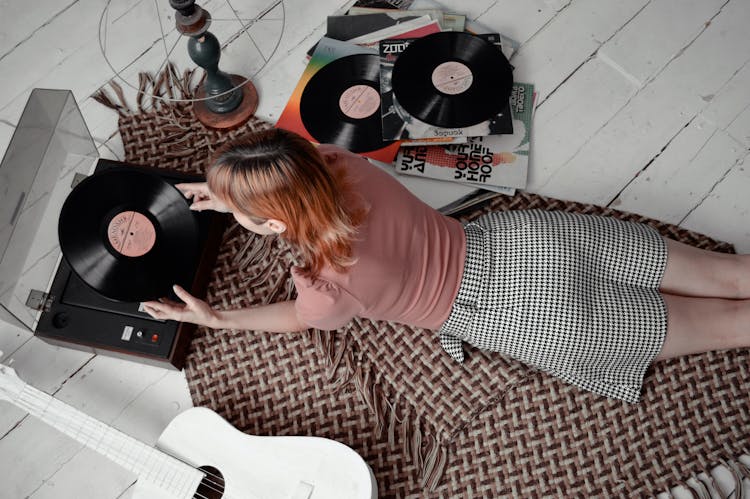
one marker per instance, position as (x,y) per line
(452,77)
(131,234)
(359,101)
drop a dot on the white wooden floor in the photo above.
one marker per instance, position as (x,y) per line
(644,106)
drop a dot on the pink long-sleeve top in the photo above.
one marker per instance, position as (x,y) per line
(410,257)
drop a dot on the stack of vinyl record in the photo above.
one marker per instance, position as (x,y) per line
(436,103)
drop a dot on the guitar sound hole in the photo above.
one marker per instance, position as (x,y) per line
(212,485)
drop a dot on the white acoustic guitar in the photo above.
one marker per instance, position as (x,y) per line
(200,455)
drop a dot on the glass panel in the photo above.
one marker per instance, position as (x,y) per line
(49,146)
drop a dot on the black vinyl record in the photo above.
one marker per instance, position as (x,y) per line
(341,104)
(129,235)
(452,79)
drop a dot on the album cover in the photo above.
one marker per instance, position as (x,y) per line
(360,99)
(384,4)
(399,124)
(469,25)
(493,160)
(348,27)
(417,28)
(447,21)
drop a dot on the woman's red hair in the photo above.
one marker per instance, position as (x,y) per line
(277,174)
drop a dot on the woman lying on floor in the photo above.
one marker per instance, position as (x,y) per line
(593,300)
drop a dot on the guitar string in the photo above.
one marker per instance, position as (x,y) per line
(46,404)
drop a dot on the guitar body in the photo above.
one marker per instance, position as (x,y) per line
(200,455)
(264,467)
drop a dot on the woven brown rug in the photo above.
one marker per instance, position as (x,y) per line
(427,426)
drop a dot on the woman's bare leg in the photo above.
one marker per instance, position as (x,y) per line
(695,272)
(697,325)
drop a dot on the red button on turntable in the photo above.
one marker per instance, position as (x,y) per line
(154,338)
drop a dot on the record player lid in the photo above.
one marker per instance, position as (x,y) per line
(50,150)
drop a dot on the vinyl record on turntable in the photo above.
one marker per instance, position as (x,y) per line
(129,235)
(341,104)
(452,79)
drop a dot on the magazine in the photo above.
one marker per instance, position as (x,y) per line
(493,160)
(411,28)
(415,28)
(447,21)
(347,27)
(508,44)
(384,4)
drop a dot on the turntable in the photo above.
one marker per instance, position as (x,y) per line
(89,298)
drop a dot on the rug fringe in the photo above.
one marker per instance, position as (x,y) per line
(406,432)
(416,443)
(429,456)
(701,487)
(429,461)
(256,249)
(737,477)
(167,82)
(102,97)
(392,428)
(278,287)
(336,352)
(437,472)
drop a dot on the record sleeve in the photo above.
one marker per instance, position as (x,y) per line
(129,235)
(398,123)
(347,27)
(493,160)
(352,29)
(350,107)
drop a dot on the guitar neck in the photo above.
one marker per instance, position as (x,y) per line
(145,461)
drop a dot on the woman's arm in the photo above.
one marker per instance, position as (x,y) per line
(276,318)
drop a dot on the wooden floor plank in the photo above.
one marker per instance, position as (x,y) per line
(636,134)
(725,213)
(642,47)
(27,21)
(683,174)
(518,19)
(44,367)
(577,111)
(137,399)
(29,454)
(568,41)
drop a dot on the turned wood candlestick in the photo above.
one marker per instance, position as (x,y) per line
(225,101)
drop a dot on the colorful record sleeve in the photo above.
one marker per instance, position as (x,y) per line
(340,105)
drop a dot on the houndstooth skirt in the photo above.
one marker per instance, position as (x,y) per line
(573,295)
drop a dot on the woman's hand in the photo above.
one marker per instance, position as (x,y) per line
(192,310)
(203,198)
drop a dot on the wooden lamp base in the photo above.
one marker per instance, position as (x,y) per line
(233,119)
